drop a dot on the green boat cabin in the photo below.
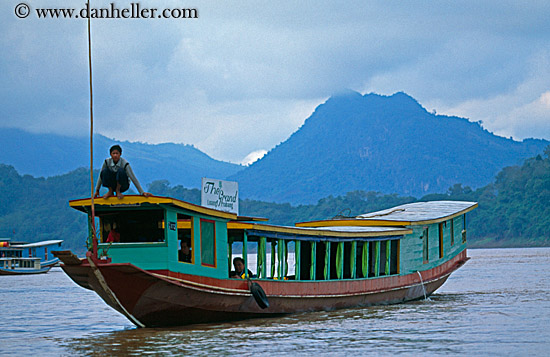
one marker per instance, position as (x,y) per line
(152,234)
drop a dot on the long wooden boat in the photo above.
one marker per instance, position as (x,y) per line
(387,257)
(27,258)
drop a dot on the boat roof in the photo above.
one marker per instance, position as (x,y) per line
(142,201)
(10,248)
(37,244)
(421,212)
(405,215)
(320,233)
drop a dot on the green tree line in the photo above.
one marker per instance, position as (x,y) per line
(514,210)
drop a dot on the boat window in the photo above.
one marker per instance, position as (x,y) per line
(237,249)
(334,261)
(282,259)
(290,268)
(253,253)
(297,250)
(278,259)
(374,250)
(441,240)
(132,226)
(361,259)
(186,244)
(12,253)
(425,246)
(306,260)
(208,242)
(383,267)
(452,232)
(348,260)
(463,233)
(252,261)
(271,251)
(457,228)
(267,257)
(394,256)
(338,260)
(261,258)
(321,260)
(235,239)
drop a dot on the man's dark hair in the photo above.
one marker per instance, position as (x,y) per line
(115,147)
(238,259)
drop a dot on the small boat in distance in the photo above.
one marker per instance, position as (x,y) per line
(160,261)
(17,258)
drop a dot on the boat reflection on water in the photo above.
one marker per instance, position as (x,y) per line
(385,329)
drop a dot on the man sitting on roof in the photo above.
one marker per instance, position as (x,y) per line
(116,174)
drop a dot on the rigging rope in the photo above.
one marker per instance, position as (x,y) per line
(342,215)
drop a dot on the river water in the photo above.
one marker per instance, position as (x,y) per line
(497,304)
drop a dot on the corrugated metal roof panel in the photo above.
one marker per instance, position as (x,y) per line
(422,212)
(38,244)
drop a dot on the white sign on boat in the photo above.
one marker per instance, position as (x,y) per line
(220,195)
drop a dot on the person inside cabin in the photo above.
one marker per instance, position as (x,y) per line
(114,235)
(185,253)
(116,174)
(239,273)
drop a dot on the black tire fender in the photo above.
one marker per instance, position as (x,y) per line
(259,295)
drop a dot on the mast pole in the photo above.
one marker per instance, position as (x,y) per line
(94,235)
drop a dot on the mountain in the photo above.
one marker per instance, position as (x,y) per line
(388,144)
(51,154)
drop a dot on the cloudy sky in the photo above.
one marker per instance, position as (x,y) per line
(244,75)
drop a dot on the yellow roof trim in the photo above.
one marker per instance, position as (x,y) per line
(314,232)
(181,225)
(351,223)
(239,225)
(131,200)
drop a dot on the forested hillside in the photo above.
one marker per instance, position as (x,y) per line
(34,209)
(513,211)
(514,208)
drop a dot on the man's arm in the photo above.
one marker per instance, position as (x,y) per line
(98,184)
(134,179)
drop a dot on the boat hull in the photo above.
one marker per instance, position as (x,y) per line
(44,268)
(24,271)
(163,298)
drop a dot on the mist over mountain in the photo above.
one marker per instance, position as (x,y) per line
(50,154)
(389,144)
